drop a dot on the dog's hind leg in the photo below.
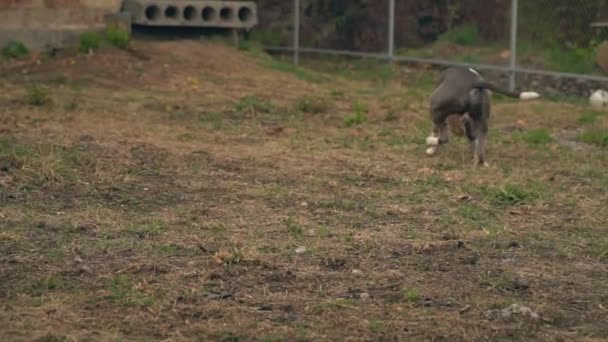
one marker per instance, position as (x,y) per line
(476,131)
(480,150)
(476,125)
(477,136)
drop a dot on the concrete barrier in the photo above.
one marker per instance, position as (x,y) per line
(221,14)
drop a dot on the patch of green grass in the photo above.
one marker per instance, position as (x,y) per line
(266,37)
(589,117)
(214,119)
(253,47)
(579,60)
(171,250)
(125,292)
(252,104)
(117,36)
(597,137)
(513,194)
(37,95)
(599,248)
(365,70)
(422,83)
(535,137)
(54,255)
(475,217)
(510,193)
(14,50)
(153,228)
(13,153)
(496,281)
(324,231)
(52,338)
(228,336)
(466,34)
(311,105)
(297,71)
(272,339)
(359,115)
(333,305)
(472,59)
(44,285)
(397,140)
(90,41)
(411,294)
(340,204)
(377,327)
(294,228)
(76,158)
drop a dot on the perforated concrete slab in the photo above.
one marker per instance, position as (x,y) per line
(222,14)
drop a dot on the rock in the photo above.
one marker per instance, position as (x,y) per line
(84,269)
(516,309)
(464,309)
(357,272)
(364,296)
(301,250)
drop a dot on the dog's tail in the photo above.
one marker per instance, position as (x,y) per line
(526,95)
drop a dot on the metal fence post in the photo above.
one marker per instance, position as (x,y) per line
(391,30)
(296,32)
(513,62)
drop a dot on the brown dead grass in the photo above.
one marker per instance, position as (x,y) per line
(149,201)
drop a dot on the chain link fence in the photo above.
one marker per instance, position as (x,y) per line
(559,45)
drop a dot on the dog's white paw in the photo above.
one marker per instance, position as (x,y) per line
(432,141)
(431,151)
(529,95)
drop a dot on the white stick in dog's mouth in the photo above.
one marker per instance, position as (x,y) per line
(529,95)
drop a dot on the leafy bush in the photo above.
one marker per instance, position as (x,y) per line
(90,41)
(15,49)
(118,37)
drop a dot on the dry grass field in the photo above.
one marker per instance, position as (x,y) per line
(195,191)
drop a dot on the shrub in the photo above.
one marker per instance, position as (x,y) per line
(90,41)
(15,49)
(118,37)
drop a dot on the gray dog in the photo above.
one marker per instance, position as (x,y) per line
(462,91)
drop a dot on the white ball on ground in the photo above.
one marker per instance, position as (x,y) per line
(599,100)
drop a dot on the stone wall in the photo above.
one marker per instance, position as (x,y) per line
(38,23)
